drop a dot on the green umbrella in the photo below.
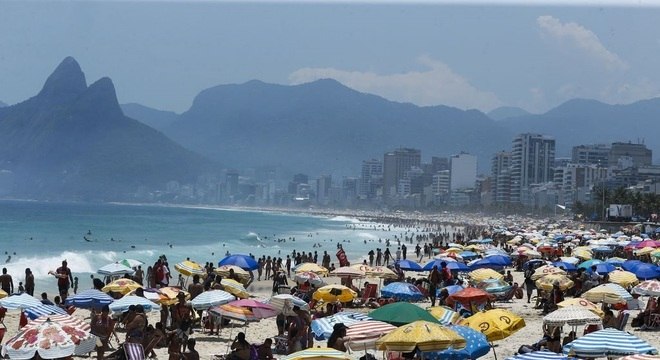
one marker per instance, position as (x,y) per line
(401,313)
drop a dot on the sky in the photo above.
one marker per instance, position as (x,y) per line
(471,55)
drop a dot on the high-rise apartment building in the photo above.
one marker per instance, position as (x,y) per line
(500,185)
(395,165)
(463,171)
(372,173)
(597,154)
(532,160)
(640,154)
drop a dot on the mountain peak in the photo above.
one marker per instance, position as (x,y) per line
(65,83)
(101,97)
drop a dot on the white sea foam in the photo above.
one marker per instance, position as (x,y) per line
(345,219)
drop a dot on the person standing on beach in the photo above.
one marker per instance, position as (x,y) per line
(379,257)
(6,282)
(64,280)
(288,266)
(29,282)
(371,257)
(139,275)
(388,255)
(404,251)
(434,281)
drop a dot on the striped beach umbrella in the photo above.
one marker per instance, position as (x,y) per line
(480,275)
(608,343)
(211,298)
(115,269)
(122,304)
(607,293)
(572,315)
(640,357)
(313,278)
(232,312)
(21,301)
(623,278)
(401,291)
(540,355)
(318,354)
(190,268)
(445,315)
(322,328)
(594,308)
(43,309)
(89,299)
(362,335)
(476,346)
(235,288)
(315,268)
(284,303)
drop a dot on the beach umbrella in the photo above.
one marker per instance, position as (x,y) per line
(331,293)
(594,308)
(584,254)
(494,286)
(607,293)
(190,268)
(647,243)
(547,270)
(211,298)
(284,303)
(43,309)
(640,357)
(224,270)
(361,267)
(468,254)
(3,294)
(533,262)
(458,266)
(608,343)
(89,299)
(311,267)
(547,282)
(232,312)
(422,335)
(244,262)
(347,272)
(572,315)
(169,295)
(646,271)
(115,269)
(496,324)
(589,263)
(435,262)
(319,353)
(122,286)
(455,250)
(540,355)
(409,265)
(235,288)
(382,272)
(455,245)
(122,304)
(260,310)
(494,261)
(131,263)
(603,268)
(85,346)
(451,289)
(323,327)
(570,259)
(476,346)
(444,258)
(401,313)
(616,261)
(20,301)
(444,315)
(567,266)
(470,296)
(49,339)
(648,288)
(480,275)
(401,291)
(313,278)
(630,265)
(623,278)
(363,334)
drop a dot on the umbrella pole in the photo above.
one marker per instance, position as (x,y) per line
(492,346)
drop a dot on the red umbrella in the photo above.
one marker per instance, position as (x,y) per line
(469,296)
(649,243)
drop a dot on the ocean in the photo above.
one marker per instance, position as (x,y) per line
(39,235)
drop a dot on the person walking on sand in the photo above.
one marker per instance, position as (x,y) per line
(29,282)
(64,279)
(6,282)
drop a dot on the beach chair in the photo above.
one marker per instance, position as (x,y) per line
(370,291)
(281,345)
(134,351)
(624,316)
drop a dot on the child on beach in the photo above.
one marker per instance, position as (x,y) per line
(75,285)
(21,289)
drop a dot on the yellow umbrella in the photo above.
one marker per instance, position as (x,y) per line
(547,282)
(480,275)
(323,353)
(532,253)
(382,272)
(444,315)
(473,248)
(514,241)
(190,268)
(645,251)
(583,303)
(122,286)
(311,267)
(3,294)
(547,270)
(235,288)
(331,293)
(623,278)
(583,254)
(454,250)
(168,295)
(224,271)
(423,335)
(496,324)
(607,293)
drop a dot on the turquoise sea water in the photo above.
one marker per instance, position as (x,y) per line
(43,234)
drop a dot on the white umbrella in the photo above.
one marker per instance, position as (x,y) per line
(115,269)
(284,303)
(122,304)
(211,298)
(572,315)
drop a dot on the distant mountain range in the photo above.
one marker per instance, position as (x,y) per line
(2,104)
(157,119)
(72,141)
(506,112)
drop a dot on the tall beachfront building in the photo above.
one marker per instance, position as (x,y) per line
(395,165)
(501,177)
(463,171)
(532,160)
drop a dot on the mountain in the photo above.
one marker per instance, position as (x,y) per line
(72,141)
(157,119)
(505,112)
(582,121)
(2,104)
(325,127)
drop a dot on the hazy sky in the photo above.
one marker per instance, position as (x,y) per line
(161,54)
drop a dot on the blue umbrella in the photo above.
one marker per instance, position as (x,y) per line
(409,265)
(486,241)
(451,289)
(540,355)
(533,262)
(401,291)
(605,249)
(457,266)
(646,271)
(630,265)
(468,255)
(244,262)
(603,268)
(493,262)
(589,263)
(615,261)
(322,328)
(89,299)
(476,346)
(36,311)
(608,343)
(429,265)
(565,265)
